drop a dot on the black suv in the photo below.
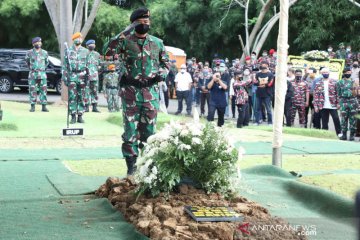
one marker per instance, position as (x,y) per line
(14,71)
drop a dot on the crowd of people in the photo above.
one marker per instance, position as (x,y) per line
(248,89)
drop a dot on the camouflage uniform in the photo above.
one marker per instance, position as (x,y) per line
(301,89)
(74,73)
(93,63)
(348,105)
(111,89)
(37,62)
(139,93)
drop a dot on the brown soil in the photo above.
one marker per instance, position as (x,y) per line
(159,218)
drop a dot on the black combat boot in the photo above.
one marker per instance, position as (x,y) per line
(86,108)
(80,119)
(32,109)
(95,108)
(352,138)
(73,119)
(44,109)
(343,137)
(131,167)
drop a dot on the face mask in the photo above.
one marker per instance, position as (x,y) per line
(325,75)
(347,75)
(222,69)
(77,42)
(264,54)
(262,68)
(355,65)
(37,46)
(226,60)
(253,57)
(142,28)
(91,48)
(348,49)
(298,78)
(206,71)
(275,55)
(329,49)
(182,70)
(246,72)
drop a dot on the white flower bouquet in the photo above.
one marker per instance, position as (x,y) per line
(316,55)
(186,150)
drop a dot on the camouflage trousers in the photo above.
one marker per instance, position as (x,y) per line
(35,86)
(112,98)
(348,110)
(300,108)
(140,107)
(76,97)
(92,92)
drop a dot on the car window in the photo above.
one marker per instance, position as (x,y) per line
(55,61)
(18,56)
(4,56)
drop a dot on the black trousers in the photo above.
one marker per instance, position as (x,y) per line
(287,111)
(311,106)
(183,95)
(233,106)
(204,97)
(243,118)
(166,98)
(325,119)
(220,113)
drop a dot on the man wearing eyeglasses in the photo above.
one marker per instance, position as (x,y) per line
(183,82)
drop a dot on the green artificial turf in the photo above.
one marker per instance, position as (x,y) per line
(8,127)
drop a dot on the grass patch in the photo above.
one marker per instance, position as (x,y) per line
(105,167)
(307,132)
(344,184)
(8,127)
(162,119)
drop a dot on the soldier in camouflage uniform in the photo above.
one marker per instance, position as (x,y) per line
(93,63)
(111,88)
(341,53)
(301,98)
(37,60)
(348,104)
(74,77)
(143,55)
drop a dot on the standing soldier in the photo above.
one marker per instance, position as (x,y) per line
(348,104)
(341,53)
(93,63)
(111,88)
(37,60)
(301,98)
(75,73)
(143,55)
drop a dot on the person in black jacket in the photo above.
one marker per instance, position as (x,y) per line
(288,103)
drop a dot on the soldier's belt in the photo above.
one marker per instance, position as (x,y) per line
(78,71)
(147,82)
(111,87)
(37,70)
(348,98)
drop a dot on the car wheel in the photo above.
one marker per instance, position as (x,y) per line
(6,84)
(58,86)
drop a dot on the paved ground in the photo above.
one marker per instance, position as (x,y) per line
(22,96)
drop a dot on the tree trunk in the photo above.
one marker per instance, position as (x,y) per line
(85,30)
(266,33)
(78,16)
(354,2)
(247,49)
(280,83)
(65,35)
(53,7)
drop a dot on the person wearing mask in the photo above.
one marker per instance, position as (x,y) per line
(355,74)
(93,63)
(289,97)
(264,82)
(242,99)
(225,77)
(254,61)
(355,71)
(300,99)
(37,60)
(74,75)
(326,100)
(183,83)
(204,77)
(348,105)
(349,56)
(232,94)
(272,60)
(341,53)
(309,78)
(264,57)
(331,53)
(218,102)
(111,89)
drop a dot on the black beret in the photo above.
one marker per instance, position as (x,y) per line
(346,69)
(139,13)
(36,39)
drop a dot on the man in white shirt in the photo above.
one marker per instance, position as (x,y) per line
(183,82)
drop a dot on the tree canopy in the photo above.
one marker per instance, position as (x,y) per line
(201,27)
